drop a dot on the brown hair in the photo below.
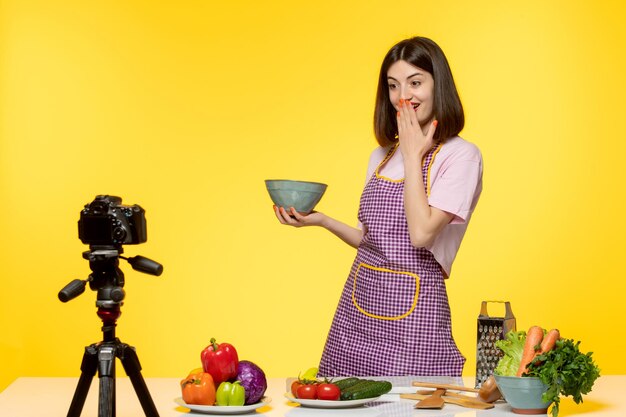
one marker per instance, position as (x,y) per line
(447,108)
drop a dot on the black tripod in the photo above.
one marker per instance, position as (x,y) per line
(101,357)
(108,280)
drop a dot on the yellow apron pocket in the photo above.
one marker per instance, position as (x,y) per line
(384,293)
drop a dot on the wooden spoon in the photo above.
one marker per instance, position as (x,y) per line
(489,391)
(433,401)
(469,403)
(443,386)
(447,394)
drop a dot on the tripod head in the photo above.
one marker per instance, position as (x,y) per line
(105,224)
(106,277)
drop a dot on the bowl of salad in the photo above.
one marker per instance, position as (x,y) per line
(538,367)
(524,394)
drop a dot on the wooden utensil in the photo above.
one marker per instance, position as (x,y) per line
(448,394)
(443,386)
(469,398)
(433,401)
(469,403)
(489,391)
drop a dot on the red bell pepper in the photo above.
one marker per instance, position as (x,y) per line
(220,361)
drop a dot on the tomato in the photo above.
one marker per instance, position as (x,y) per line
(294,387)
(307,392)
(328,391)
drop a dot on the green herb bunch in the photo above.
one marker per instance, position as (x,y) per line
(566,371)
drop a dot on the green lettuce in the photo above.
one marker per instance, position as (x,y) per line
(512,346)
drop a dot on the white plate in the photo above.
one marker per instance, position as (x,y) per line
(329,403)
(217,409)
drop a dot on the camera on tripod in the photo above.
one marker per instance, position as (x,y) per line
(105,221)
(106,225)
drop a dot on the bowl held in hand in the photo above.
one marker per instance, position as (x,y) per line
(301,195)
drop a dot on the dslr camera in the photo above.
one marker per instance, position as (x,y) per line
(105,221)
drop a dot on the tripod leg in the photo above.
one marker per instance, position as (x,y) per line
(106,399)
(88,370)
(130,361)
(106,373)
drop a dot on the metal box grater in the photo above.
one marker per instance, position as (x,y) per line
(490,329)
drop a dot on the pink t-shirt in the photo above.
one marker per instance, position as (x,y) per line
(456,178)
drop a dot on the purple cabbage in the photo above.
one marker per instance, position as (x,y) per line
(253,380)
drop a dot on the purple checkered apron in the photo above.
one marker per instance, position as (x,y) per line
(393,316)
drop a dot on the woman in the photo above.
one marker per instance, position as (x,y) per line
(393,317)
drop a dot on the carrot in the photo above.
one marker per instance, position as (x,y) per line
(533,338)
(549,340)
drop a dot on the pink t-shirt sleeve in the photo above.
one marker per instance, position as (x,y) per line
(455,186)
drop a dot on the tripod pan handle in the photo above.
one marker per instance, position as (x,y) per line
(72,290)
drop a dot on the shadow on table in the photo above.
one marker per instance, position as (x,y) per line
(373,409)
(568,406)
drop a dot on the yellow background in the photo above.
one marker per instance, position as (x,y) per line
(186,107)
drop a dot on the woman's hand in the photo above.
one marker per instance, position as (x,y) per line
(351,235)
(413,142)
(425,222)
(295,219)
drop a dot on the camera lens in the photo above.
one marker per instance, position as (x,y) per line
(119,233)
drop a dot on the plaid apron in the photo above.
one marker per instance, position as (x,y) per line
(393,316)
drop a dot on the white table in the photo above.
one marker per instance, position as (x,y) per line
(50,397)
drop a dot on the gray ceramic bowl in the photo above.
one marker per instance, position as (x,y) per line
(523,394)
(301,195)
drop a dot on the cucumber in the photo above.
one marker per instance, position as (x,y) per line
(374,389)
(346,393)
(347,382)
(366,389)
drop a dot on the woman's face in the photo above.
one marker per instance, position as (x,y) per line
(414,84)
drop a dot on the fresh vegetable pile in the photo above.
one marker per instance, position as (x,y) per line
(556,361)
(224,380)
(308,387)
